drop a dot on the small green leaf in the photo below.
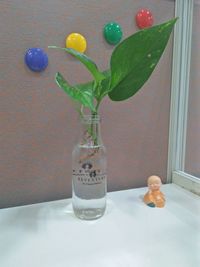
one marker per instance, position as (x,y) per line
(103,87)
(134,59)
(85,60)
(99,90)
(85,97)
(86,86)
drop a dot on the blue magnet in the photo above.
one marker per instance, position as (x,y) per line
(36,59)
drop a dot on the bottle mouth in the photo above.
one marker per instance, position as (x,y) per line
(90,118)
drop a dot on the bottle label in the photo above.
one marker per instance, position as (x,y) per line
(89,183)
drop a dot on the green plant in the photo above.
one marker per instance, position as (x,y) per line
(131,64)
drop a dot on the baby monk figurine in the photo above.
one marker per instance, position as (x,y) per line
(154,197)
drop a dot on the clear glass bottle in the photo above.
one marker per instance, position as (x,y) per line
(89,166)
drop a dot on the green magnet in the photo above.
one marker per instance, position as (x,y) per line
(113,33)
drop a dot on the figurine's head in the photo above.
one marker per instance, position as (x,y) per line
(154,183)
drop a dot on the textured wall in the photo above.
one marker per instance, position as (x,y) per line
(38,122)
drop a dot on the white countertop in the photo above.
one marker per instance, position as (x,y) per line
(130,234)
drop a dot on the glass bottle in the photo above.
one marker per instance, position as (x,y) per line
(89,177)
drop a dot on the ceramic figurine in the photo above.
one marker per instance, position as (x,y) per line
(154,197)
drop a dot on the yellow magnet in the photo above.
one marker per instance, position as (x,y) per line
(77,42)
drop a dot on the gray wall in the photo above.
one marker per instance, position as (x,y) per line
(38,122)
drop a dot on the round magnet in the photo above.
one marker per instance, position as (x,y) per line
(112,33)
(36,59)
(144,18)
(77,42)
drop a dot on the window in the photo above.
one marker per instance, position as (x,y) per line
(184,136)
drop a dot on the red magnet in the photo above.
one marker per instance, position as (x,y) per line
(144,18)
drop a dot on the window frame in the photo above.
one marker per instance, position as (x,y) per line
(179,98)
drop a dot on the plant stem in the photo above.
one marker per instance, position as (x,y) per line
(97,106)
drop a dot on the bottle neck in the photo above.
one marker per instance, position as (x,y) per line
(90,130)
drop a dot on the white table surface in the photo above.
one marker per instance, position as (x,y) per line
(130,234)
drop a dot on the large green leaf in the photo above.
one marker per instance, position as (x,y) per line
(134,59)
(85,97)
(89,64)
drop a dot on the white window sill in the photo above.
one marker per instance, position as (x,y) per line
(187,181)
(130,234)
